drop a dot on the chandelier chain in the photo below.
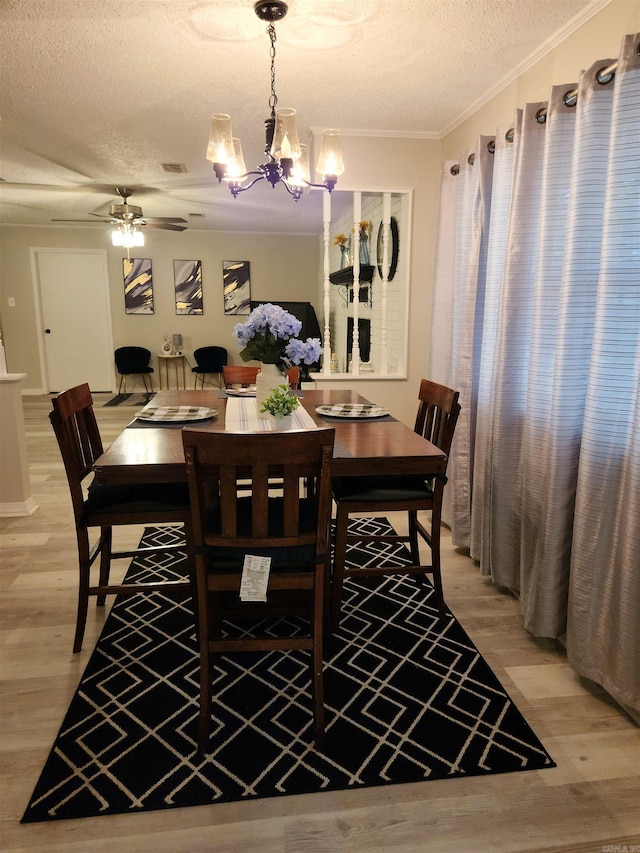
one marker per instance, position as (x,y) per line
(273,99)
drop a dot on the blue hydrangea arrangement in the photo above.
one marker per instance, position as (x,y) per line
(269,336)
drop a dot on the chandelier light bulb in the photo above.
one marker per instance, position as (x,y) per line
(286,144)
(220,148)
(300,175)
(236,168)
(330,162)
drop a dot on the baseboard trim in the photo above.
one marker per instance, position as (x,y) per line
(19,508)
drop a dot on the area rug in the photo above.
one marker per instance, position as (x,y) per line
(407,700)
(129,399)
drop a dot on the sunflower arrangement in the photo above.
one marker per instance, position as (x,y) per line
(365,228)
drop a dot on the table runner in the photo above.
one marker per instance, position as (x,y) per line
(241,416)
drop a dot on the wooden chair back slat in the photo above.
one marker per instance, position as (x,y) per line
(76,429)
(438,411)
(222,466)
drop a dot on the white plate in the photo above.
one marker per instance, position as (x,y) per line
(242,392)
(176,414)
(352,410)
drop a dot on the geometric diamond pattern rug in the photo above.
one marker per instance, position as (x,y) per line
(407,699)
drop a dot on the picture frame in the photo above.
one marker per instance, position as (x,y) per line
(187,278)
(138,285)
(236,282)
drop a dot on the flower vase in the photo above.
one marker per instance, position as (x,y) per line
(269,377)
(364,251)
(344,257)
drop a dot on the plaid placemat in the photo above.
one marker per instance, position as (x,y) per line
(238,392)
(357,411)
(175,414)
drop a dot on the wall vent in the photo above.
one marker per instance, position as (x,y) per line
(174,168)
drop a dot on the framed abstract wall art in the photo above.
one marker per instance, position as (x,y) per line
(187,277)
(237,287)
(138,286)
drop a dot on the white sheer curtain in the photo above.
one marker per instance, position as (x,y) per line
(540,314)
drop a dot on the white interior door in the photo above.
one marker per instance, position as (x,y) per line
(75,318)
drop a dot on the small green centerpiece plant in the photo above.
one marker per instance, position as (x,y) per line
(280,402)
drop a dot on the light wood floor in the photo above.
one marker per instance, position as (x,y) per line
(590,802)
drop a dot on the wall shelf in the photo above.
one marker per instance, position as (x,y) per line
(345,276)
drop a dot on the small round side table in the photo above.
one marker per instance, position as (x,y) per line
(178,360)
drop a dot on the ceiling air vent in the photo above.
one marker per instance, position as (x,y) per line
(195,215)
(174,168)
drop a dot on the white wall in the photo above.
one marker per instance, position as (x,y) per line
(599,38)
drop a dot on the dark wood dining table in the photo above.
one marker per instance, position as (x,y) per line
(362,447)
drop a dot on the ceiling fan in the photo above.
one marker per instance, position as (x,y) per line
(129,217)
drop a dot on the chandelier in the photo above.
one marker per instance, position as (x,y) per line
(287,159)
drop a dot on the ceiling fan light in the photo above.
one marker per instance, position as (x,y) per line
(127,236)
(116,237)
(220,148)
(286,144)
(330,163)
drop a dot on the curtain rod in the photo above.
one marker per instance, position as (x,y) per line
(570,98)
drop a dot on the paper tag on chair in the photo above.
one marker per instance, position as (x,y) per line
(255,578)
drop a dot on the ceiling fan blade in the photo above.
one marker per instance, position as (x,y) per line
(92,221)
(166,226)
(156,219)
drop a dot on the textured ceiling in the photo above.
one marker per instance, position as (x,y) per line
(99,93)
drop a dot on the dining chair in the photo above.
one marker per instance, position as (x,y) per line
(289,528)
(209,360)
(76,429)
(245,375)
(134,361)
(438,411)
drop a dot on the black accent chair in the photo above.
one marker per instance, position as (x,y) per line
(208,360)
(134,361)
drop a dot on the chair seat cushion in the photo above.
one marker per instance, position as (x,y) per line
(152,497)
(382,489)
(284,559)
